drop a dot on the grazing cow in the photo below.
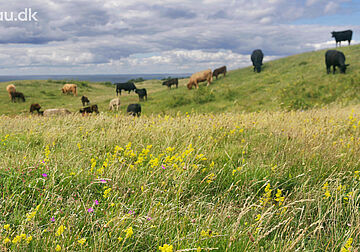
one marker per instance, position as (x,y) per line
(134,109)
(69,88)
(205,75)
(141,93)
(90,109)
(335,58)
(10,88)
(257,58)
(114,103)
(56,112)
(342,36)
(84,100)
(35,107)
(221,70)
(171,82)
(127,86)
(18,95)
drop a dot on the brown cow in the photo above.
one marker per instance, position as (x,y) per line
(10,89)
(220,70)
(69,88)
(35,107)
(205,75)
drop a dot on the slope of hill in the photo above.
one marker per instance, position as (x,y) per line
(295,82)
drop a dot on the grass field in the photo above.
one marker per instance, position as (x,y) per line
(239,166)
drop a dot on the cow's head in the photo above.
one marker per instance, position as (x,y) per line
(189,85)
(258,68)
(333,34)
(343,68)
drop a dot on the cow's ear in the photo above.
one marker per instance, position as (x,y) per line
(347,65)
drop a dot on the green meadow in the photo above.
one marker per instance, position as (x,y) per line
(254,162)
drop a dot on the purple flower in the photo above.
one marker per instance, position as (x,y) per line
(52,219)
(96,202)
(90,210)
(162,166)
(103,181)
(148,218)
(130,212)
(44,175)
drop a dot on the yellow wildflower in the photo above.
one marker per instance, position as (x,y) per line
(29,239)
(60,230)
(58,248)
(82,241)
(129,232)
(7,226)
(166,248)
(6,241)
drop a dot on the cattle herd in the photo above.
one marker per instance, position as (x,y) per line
(333,58)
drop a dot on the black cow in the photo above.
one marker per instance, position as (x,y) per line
(335,58)
(84,100)
(90,109)
(35,107)
(134,109)
(127,86)
(141,93)
(257,58)
(171,82)
(342,36)
(221,70)
(18,95)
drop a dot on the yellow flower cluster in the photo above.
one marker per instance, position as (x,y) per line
(266,196)
(31,215)
(106,192)
(348,246)
(60,230)
(326,189)
(3,141)
(166,248)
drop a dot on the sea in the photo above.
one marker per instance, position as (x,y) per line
(113,78)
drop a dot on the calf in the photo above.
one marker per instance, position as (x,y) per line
(35,107)
(128,86)
(141,93)
(171,82)
(84,100)
(336,59)
(17,95)
(257,58)
(342,36)
(114,103)
(134,109)
(90,109)
(221,70)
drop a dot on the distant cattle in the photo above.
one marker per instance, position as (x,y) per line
(205,75)
(127,86)
(171,82)
(134,109)
(342,36)
(90,109)
(69,88)
(35,107)
(336,59)
(221,70)
(141,93)
(10,88)
(17,95)
(85,100)
(257,58)
(56,112)
(114,103)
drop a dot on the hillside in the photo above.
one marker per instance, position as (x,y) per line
(295,82)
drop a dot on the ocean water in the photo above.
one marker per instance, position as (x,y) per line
(114,78)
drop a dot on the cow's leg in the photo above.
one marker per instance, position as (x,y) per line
(334,68)
(328,69)
(146,97)
(349,41)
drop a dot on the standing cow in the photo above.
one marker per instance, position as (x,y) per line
(69,88)
(127,86)
(35,107)
(205,75)
(336,59)
(257,58)
(220,70)
(134,109)
(342,36)
(141,93)
(85,100)
(114,104)
(10,89)
(171,82)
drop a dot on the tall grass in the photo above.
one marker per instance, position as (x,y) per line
(279,181)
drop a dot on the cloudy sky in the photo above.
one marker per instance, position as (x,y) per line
(167,36)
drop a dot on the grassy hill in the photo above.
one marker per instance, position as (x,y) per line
(295,82)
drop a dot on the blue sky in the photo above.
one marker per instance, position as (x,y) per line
(167,36)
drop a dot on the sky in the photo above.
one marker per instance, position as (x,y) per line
(167,36)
